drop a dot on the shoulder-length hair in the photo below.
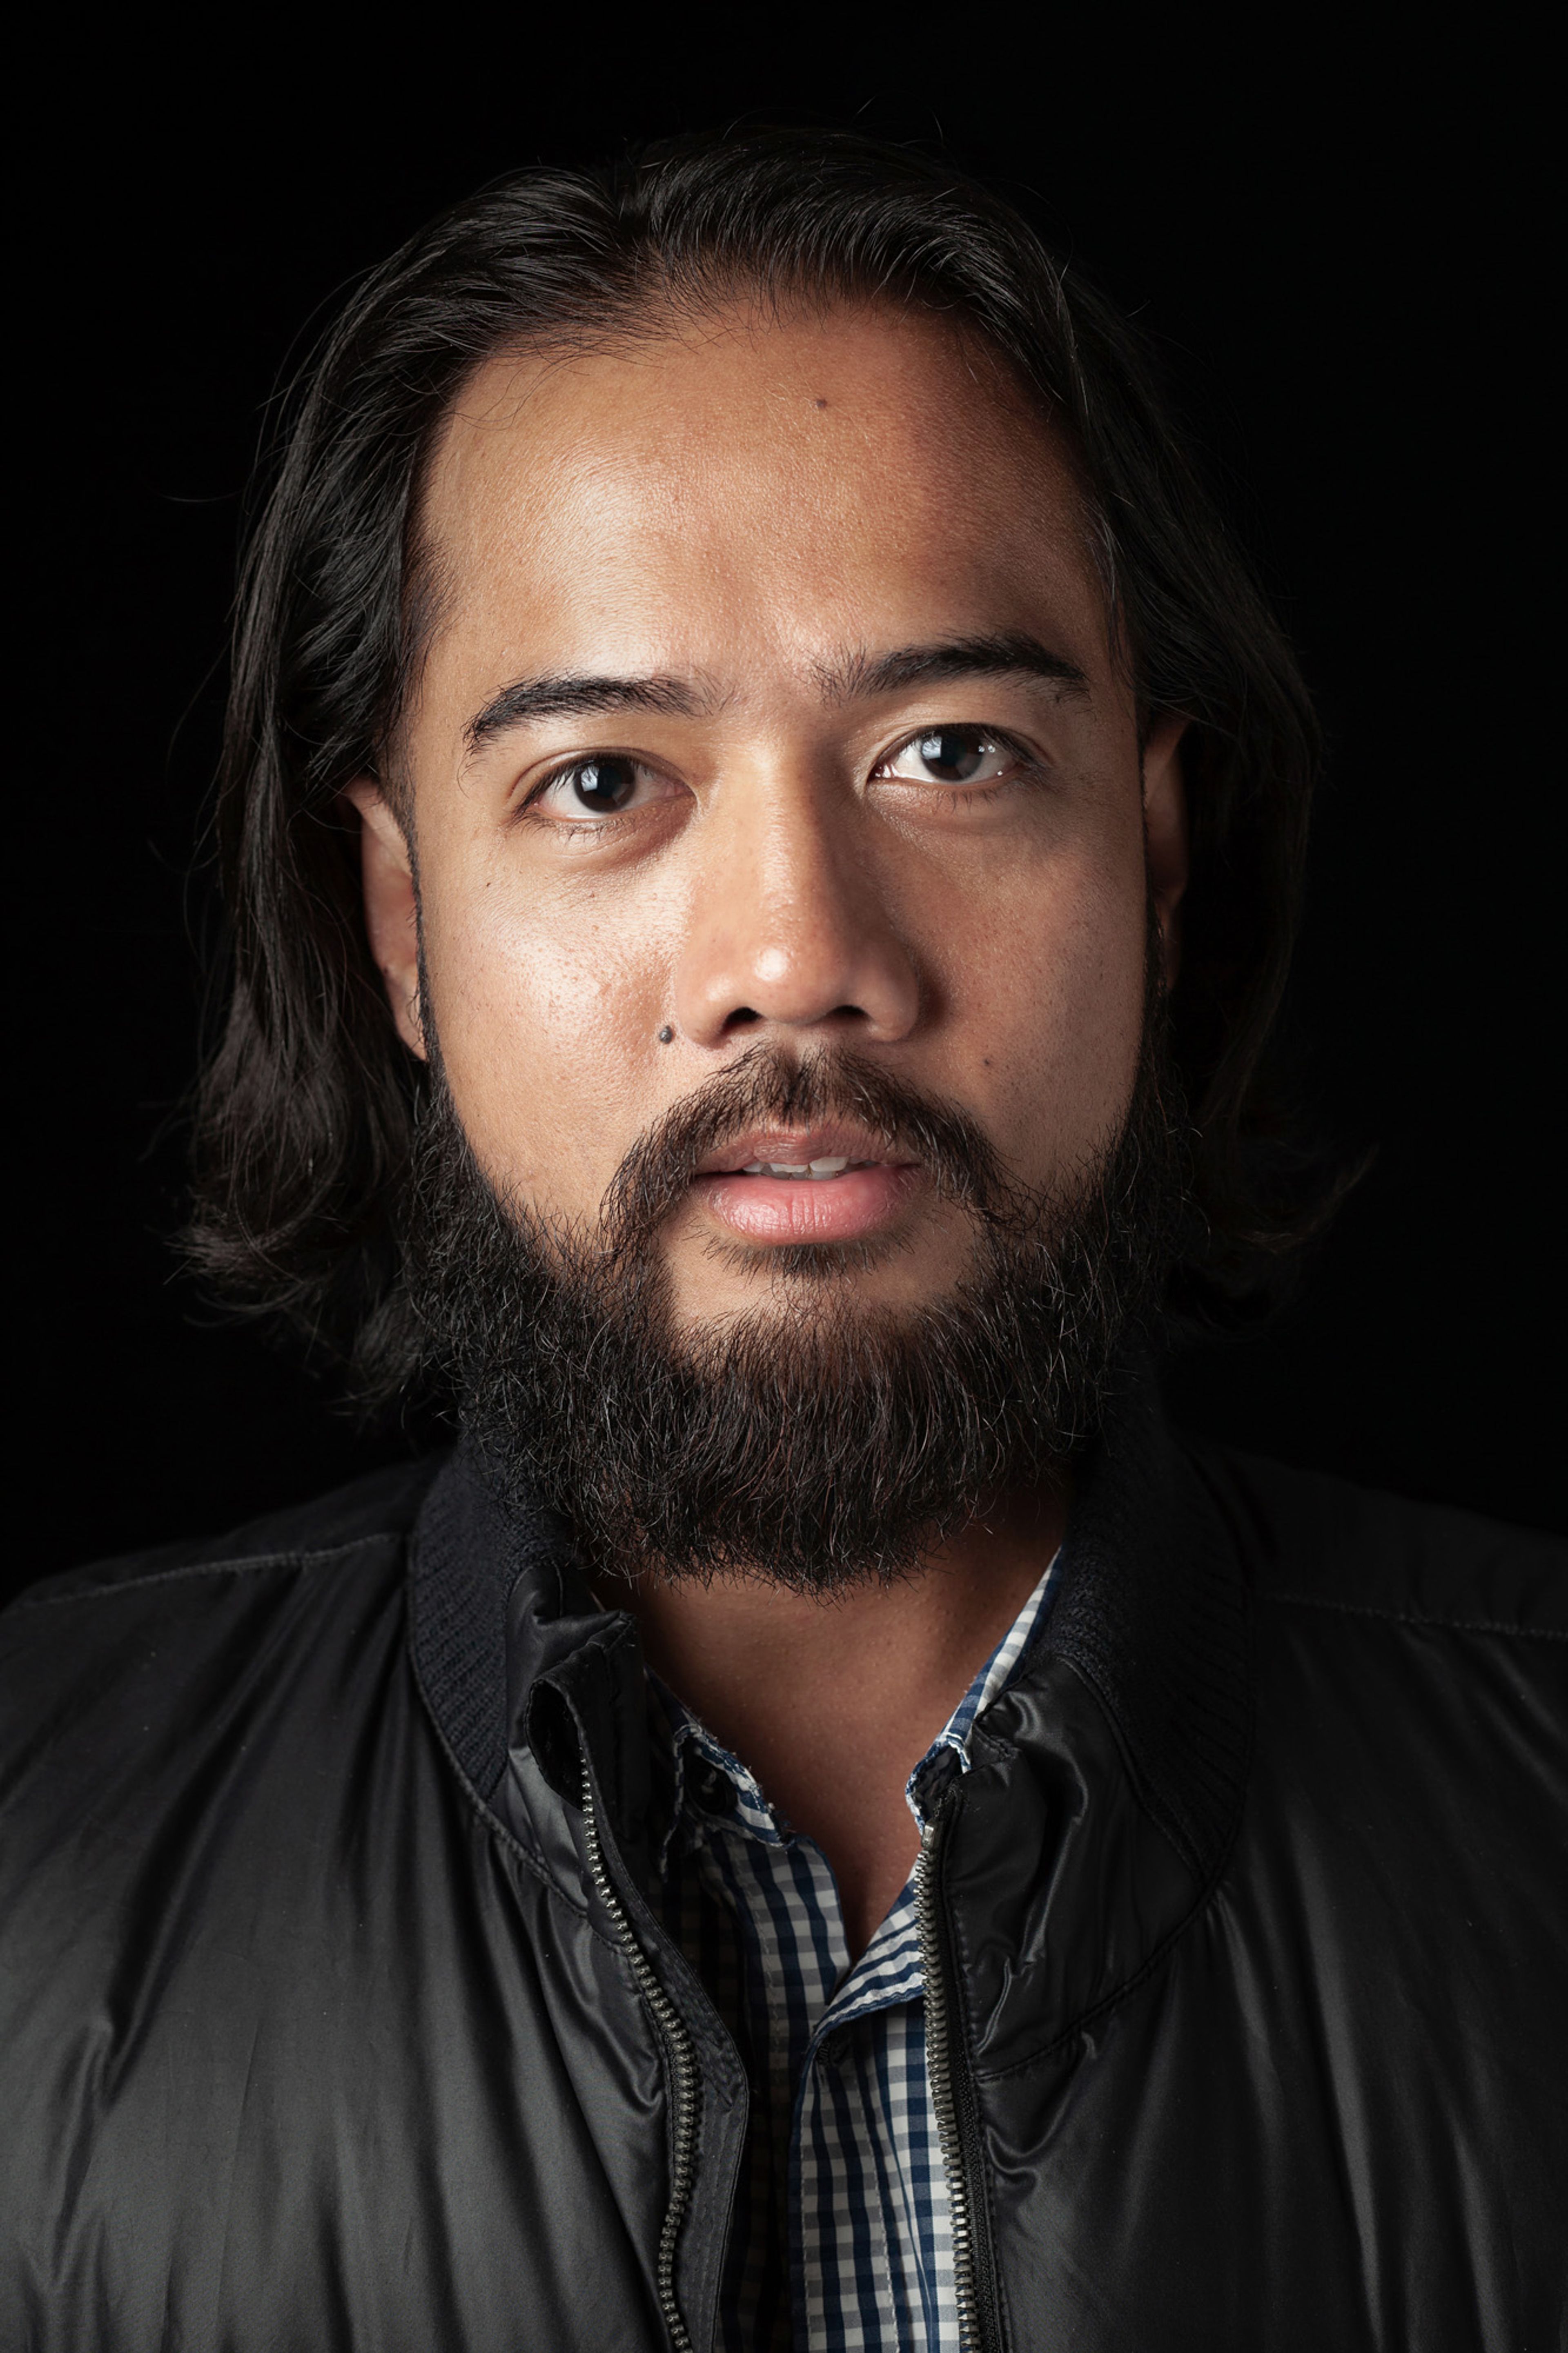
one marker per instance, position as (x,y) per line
(306,1109)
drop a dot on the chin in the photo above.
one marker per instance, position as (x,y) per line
(822,1285)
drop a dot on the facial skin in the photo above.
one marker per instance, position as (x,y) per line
(756,517)
(749,520)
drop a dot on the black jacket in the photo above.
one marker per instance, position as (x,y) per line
(335,2017)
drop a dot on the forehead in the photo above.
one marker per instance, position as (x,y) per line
(789,483)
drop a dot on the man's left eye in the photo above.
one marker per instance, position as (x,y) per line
(950,755)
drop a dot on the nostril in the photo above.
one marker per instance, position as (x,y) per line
(746,1017)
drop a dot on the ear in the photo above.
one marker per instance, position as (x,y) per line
(391,909)
(1165,834)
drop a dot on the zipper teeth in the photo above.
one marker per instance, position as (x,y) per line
(683,2071)
(939,2071)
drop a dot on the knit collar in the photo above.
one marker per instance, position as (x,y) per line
(1149,1610)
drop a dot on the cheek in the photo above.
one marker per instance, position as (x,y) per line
(1047,995)
(544,1034)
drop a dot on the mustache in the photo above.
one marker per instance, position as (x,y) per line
(770,1087)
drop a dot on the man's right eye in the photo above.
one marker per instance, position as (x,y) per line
(605,786)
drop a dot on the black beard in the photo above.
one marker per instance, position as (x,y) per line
(813,1442)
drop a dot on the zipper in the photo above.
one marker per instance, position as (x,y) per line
(952,2096)
(685,2080)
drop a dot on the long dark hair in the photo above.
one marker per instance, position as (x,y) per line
(306,1108)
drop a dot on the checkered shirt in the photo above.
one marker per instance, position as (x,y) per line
(842,2237)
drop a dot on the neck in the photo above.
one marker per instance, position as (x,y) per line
(832,1700)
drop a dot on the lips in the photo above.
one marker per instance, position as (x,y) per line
(825,1149)
(830,1184)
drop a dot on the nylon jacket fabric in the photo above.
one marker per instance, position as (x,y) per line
(317,2033)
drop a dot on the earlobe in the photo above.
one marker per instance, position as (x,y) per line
(391,907)
(1166,833)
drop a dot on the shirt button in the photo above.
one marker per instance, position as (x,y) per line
(713,1790)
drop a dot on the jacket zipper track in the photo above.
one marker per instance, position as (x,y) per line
(978,2329)
(685,2082)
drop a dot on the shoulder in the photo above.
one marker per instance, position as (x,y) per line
(205,1699)
(1324,1545)
(1394,1890)
(1411,1667)
(382,1505)
(109,1652)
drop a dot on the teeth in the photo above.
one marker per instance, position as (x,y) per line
(795,1169)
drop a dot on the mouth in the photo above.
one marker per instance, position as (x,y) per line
(826,1184)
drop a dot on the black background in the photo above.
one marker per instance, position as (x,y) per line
(1338,245)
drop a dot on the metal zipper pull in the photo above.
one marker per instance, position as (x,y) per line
(683,2074)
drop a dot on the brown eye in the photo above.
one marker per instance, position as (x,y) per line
(951,755)
(603,786)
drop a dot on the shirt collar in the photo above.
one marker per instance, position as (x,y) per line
(709,1782)
(1005,1661)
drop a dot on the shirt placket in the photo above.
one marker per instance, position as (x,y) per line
(870,2255)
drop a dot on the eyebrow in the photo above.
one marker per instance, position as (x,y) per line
(1007,653)
(580,698)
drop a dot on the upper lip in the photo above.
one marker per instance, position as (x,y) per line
(834,1140)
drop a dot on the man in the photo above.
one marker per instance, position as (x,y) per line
(764,819)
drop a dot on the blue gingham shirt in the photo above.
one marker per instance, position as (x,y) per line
(842,2237)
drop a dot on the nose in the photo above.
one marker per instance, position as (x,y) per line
(790,928)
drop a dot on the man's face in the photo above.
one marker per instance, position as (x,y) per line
(771,703)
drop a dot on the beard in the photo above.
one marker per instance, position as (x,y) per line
(813,1439)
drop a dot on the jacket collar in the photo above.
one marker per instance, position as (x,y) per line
(1152,1612)
(1151,1615)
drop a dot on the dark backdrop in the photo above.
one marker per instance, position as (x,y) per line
(1339,252)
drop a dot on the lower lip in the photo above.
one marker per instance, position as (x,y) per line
(846,1208)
